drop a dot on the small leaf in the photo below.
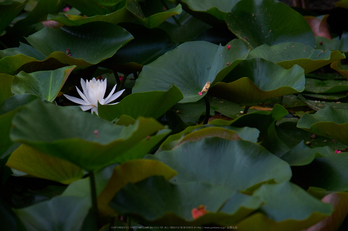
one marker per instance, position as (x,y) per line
(258,22)
(200,60)
(256,80)
(130,172)
(33,162)
(44,84)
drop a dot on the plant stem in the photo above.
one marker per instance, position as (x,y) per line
(94,197)
(246,110)
(281,98)
(207,109)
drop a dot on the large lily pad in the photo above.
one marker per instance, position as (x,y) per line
(218,9)
(39,13)
(35,163)
(327,172)
(147,46)
(44,215)
(147,104)
(202,131)
(327,122)
(81,138)
(8,110)
(131,12)
(259,22)
(102,39)
(130,172)
(163,203)
(223,158)
(256,80)
(303,210)
(326,86)
(8,11)
(44,84)
(288,54)
(189,67)
(265,122)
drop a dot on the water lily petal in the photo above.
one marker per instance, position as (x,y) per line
(115,96)
(87,101)
(76,100)
(86,107)
(110,94)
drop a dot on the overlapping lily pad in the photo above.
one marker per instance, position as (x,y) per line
(147,104)
(8,11)
(223,158)
(131,12)
(198,132)
(303,209)
(218,9)
(81,138)
(327,122)
(131,172)
(259,22)
(55,48)
(326,86)
(189,67)
(44,84)
(102,39)
(73,211)
(256,80)
(8,110)
(288,54)
(35,163)
(172,204)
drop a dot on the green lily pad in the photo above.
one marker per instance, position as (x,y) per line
(44,84)
(8,110)
(303,209)
(73,211)
(8,11)
(130,172)
(5,84)
(327,96)
(339,202)
(258,22)
(218,9)
(146,104)
(338,43)
(164,203)
(82,138)
(303,155)
(223,157)
(256,80)
(265,122)
(189,29)
(327,122)
(28,59)
(102,39)
(197,132)
(147,46)
(342,69)
(202,61)
(131,12)
(327,86)
(288,54)
(90,7)
(328,172)
(39,13)
(35,163)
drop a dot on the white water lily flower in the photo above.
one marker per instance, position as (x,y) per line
(93,92)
